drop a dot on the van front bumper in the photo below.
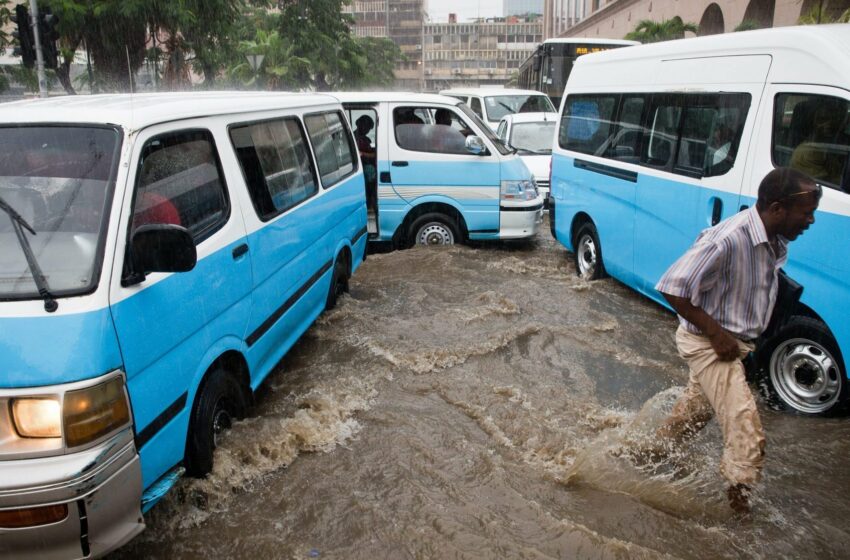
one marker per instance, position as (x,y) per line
(518,222)
(101,488)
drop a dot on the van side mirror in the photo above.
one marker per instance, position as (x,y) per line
(160,248)
(475,146)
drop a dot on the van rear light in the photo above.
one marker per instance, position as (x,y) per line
(32,517)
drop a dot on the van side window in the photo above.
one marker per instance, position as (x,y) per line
(332,144)
(663,131)
(475,105)
(711,131)
(586,125)
(276,164)
(180,182)
(811,133)
(626,142)
(433,129)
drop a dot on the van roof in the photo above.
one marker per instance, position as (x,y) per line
(800,54)
(135,111)
(486,92)
(391,96)
(590,41)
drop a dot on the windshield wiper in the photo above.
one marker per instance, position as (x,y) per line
(19,224)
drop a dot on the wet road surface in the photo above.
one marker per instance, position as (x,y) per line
(473,403)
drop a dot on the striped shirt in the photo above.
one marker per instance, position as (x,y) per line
(731,273)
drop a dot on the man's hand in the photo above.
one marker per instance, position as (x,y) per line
(725,345)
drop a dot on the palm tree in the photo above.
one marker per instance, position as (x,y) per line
(748,25)
(648,31)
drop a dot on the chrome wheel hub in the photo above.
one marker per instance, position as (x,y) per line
(805,375)
(435,233)
(586,256)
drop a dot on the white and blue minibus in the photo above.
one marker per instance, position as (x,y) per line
(658,142)
(159,254)
(436,174)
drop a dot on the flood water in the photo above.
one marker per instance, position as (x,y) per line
(473,403)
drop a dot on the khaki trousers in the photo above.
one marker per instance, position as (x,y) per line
(717,387)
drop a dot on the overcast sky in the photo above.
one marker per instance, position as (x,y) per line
(465,9)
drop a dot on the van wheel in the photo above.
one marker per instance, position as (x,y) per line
(339,282)
(434,229)
(588,253)
(802,369)
(220,401)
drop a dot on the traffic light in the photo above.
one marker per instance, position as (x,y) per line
(26,42)
(48,34)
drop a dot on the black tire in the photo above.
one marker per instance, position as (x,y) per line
(220,400)
(433,228)
(802,369)
(588,253)
(339,282)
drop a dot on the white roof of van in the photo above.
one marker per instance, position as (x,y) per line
(488,92)
(391,96)
(139,110)
(531,117)
(815,54)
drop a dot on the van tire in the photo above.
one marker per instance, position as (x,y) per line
(339,282)
(433,229)
(588,253)
(802,370)
(220,400)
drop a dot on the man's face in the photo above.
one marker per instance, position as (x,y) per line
(799,215)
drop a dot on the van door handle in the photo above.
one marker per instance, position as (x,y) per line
(716,211)
(400,164)
(239,250)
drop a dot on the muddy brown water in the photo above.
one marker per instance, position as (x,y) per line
(471,403)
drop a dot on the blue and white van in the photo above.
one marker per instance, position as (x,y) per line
(159,254)
(658,142)
(436,174)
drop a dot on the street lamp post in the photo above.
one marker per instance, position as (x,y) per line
(255,61)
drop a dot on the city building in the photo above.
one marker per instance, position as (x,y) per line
(400,20)
(613,19)
(522,7)
(560,15)
(479,53)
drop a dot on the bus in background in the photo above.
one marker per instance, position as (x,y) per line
(659,142)
(548,68)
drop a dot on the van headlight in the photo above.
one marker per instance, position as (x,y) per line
(519,190)
(82,416)
(94,412)
(37,418)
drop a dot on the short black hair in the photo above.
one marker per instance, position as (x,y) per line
(781,183)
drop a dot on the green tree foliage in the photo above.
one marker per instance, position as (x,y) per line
(648,31)
(820,14)
(748,25)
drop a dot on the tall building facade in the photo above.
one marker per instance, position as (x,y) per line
(479,53)
(560,15)
(613,19)
(522,7)
(403,22)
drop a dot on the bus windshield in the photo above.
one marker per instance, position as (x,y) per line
(55,186)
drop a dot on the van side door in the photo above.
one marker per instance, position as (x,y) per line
(168,322)
(429,162)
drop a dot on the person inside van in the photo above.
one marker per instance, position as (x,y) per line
(816,156)
(723,302)
(363,125)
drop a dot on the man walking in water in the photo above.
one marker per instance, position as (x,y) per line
(724,290)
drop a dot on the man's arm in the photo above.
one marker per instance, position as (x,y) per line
(723,343)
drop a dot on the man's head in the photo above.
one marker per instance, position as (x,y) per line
(787,200)
(364,124)
(443,116)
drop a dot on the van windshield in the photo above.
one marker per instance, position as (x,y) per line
(533,137)
(55,185)
(500,105)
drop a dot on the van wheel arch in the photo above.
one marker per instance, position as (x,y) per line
(223,394)
(402,238)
